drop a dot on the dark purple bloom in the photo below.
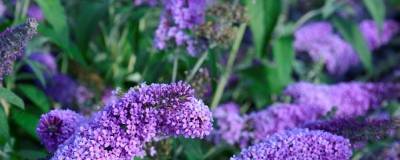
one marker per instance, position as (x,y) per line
(12,44)
(66,91)
(371,33)
(349,99)
(121,129)
(229,123)
(299,144)
(322,44)
(47,61)
(356,129)
(391,153)
(56,127)
(35,12)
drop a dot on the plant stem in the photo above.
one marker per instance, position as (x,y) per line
(227,72)
(175,68)
(197,66)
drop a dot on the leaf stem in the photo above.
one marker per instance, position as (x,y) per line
(197,66)
(228,70)
(175,68)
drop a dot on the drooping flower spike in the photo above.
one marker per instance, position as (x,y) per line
(122,128)
(12,44)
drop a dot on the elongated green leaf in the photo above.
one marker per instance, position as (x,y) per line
(26,121)
(58,30)
(4,129)
(352,34)
(377,10)
(36,96)
(10,97)
(263,15)
(284,58)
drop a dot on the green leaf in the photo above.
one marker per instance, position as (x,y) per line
(193,150)
(377,10)
(4,129)
(30,154)
(352,34)
(36,96)
(263,15)
(284,58)
(58,30)
(25,120)
(37,71)
(10,97)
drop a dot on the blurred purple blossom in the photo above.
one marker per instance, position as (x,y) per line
(35,12)
(57,126)
(350,99)
(2,8)
(299,144)
(371,34)
(229,123)
(122,128)
(145,2)
(66,91)
(279,117)
(12,44)
(322,44)
(178,17)
(47,60)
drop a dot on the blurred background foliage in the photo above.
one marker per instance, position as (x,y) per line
(108,44)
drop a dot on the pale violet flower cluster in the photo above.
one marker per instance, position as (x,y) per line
(375,37)
(322,44)
(122,128)
(298,144)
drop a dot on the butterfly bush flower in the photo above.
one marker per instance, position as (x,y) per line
(299,144)
(12,44)
(121,129)
(322,44)
(35,12)
(66,91)
(229,123)
(349,99)
(47,61)
(279,117)
(2,9)
(356,129)
(57,126)
(371,34)
(178,17)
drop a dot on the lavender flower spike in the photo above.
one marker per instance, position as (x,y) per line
(299,144)
(350,99)
(57,126)
(371,33)
(12,43)
(122,128)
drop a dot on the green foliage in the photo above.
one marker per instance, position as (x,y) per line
(4,129)
(263,15)
(36,96)
(377,10)
(12,98)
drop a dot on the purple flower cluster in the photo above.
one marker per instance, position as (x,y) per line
(178,17)
(47,61)
(255,127)
(121,129)
(64,90)
(229,122)
(350,99)
(355,129)
(56,127)
(299,144)
(2,9)
(12,44)
(371,34)
(279,117)
(322,44)
(35,12)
